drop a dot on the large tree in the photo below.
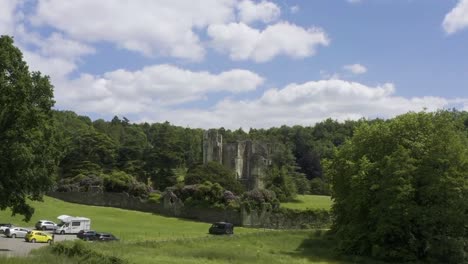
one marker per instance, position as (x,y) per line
(401,189)
(27,161)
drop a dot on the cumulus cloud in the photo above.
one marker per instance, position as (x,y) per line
(123,91)
(264,11)
(304,104)
(242,42)
(457,18)
(7,16)
(355,68)
(169,28)
(150,27)
(294,9)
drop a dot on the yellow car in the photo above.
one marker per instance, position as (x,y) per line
(38,236)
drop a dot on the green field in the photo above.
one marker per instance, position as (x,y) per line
(125,224)
(304,202)
(149,238)
(292,247)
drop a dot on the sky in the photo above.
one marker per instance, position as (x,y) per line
(245,63)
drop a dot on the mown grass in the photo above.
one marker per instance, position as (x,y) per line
(304,202)
(263,247)
(149,238)
(126,224)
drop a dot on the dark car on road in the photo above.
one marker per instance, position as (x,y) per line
(221,228)
(87,235)
(105,237)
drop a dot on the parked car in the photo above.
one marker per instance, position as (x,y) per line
(15,232)
(105,237)
(38,236)
(46,225)
(87,235)
(4,227)
(221,228)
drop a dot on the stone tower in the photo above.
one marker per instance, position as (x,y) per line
(248,159)
(212,146)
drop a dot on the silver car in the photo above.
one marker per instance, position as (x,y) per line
(15,232)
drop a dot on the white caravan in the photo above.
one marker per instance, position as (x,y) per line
(72,224)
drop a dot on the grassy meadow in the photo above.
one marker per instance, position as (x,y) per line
(261,247)
(149,238)
(304,202)
(126,224)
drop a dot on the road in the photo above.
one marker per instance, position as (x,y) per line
(19,247)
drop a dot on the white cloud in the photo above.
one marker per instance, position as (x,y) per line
(294,9)
(7,16)
(152,87)
(303,104)
(355,68)
(57,68)
(242,42)
(264,11)
(151,27)
(457,19)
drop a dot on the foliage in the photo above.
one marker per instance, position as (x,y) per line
(400,189)
(280,181)
(81,252)
(27,140)
(119,181)
(259,198)
(319,186)
(216,173)
(206,194)
(155,197)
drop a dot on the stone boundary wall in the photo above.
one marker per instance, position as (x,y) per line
(282,219)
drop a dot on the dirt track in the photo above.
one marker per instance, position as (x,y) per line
(19,247)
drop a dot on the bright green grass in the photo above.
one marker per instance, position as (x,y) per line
(304,202)
(291,247)
(126,224)
(149,238)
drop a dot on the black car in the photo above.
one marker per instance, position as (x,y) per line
(105,237)
(221,228)
(87,235)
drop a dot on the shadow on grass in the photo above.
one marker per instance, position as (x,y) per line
(321,248)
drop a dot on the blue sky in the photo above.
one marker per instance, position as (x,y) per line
(246,63)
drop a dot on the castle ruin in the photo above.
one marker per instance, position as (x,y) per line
(248,159)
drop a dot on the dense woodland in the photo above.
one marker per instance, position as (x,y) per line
(161,155)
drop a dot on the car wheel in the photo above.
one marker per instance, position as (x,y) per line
(44,228)
(62,232)
(33,240)
(13,236)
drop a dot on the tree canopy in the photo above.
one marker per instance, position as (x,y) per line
(400,189)
(27,149)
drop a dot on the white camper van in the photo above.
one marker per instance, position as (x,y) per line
(72,224)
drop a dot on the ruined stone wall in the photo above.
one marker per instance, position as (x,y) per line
(212,146)
(283,219)
(248,159)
